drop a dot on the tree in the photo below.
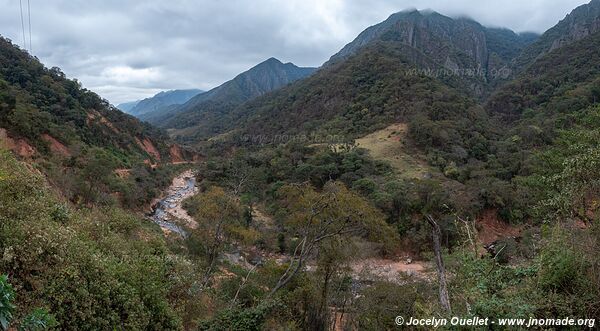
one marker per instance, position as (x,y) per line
(315,217)
(216,214)
(439,262)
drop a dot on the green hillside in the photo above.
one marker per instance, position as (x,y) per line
(76,138)
(402,178)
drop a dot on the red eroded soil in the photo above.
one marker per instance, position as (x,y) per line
(19,146)
(176,154)
(148,147)
(56,146)
(490,228)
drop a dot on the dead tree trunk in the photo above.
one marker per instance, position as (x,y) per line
(444,299)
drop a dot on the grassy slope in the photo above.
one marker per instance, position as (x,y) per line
(390,145)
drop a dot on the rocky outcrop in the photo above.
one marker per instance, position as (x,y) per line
(458,47)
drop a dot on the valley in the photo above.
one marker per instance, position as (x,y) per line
(388,181)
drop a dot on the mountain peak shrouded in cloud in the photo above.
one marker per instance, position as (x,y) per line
(578,24)
(169,44)
(453,43)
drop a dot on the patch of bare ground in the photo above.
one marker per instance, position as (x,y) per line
(393,271)
(94,115)
(176,154)
(56,146)
(491,228)
(148,147)
(18,146)
(122,172)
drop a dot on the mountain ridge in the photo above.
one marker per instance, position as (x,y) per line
(579,23)
(162,101)
(262,78)
(455,43)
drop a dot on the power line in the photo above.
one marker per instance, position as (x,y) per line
(22,24)
(29,16)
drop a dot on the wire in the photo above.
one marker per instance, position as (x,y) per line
(29,16)
(22,25)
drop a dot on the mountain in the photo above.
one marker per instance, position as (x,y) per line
(461,53)
(127,106)
(400,148)
(74,136)
(350,98)
(459,44)
(370,81)
(580,23)
(162,101)
(561,71)
(260,79)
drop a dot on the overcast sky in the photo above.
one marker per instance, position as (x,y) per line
(127,50)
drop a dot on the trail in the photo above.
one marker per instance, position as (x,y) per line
(168,212)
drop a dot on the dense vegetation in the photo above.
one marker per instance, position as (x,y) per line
(527,155)
(290,204)
(77,138)
(97,268)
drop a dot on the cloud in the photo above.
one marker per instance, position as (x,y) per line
(127,50)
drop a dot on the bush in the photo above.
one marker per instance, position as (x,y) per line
(7,308)
(38,320)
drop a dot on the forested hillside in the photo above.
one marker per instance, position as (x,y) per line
(514,169)
(432,167)
(74,136)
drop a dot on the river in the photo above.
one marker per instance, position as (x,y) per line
(168,212)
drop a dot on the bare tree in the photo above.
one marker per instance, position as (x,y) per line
(439,262)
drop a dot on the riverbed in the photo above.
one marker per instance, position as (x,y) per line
(168,211)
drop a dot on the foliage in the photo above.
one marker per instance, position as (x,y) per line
(77,138)
(6,302)
(89,268)
(379,304)
(38,320)
(247,319)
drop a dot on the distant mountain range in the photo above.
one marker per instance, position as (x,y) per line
(260,79)
(126,107)
(158,102)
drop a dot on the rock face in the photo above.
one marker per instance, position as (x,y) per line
(454,44)
(262,78)
(580,23)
